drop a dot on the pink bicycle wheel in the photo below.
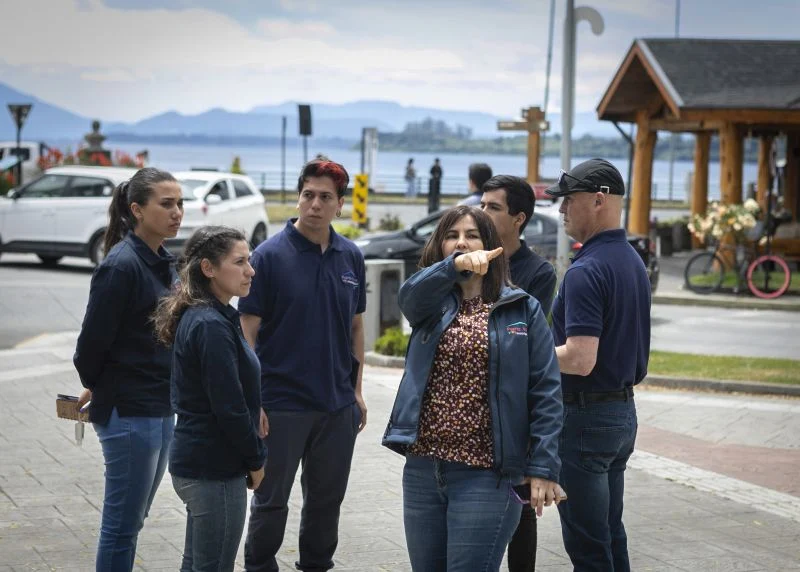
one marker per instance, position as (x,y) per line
(768,276)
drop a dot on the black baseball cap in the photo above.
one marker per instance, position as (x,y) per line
(592,176)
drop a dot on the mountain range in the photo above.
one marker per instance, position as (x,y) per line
(49,122)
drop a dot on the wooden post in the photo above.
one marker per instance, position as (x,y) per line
(764,174)
(702,144)
(731,151)
(792,176)
(534,140)
(639,217)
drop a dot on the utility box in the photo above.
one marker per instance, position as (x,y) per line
(384,278)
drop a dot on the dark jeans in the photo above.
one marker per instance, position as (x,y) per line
(595,444)
(135,450)
(522,548)
(324,443)
(457,518)
(215,513)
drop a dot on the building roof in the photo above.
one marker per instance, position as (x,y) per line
(705,74)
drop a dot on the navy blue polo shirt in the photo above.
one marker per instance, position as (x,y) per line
(216,392)
(117,355)
(605,293)
(306,300)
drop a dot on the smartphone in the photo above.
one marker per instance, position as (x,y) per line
(63,397)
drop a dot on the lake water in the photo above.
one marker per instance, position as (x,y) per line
(263,164)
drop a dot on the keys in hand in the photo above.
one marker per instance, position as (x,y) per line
(477,261)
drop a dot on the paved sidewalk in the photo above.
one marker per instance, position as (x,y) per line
(690,505)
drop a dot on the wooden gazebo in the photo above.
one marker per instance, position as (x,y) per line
(735,88)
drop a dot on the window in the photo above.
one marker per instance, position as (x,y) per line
(220,189)
(87,187)
(241,189)
(48,187)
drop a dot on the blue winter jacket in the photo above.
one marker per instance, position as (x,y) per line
(524,379)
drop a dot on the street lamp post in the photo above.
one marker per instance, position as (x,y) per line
(571,19)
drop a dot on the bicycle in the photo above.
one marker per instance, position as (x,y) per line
(766,275)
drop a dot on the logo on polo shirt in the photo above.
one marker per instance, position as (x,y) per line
(350,278)
(517,329)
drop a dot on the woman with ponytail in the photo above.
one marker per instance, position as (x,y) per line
(121,364)
(218,452)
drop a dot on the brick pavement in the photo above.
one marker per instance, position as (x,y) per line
(679,516)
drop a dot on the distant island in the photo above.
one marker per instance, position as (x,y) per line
(432,136)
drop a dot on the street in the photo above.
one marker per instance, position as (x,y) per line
(36,300)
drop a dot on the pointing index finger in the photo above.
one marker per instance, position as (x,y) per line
(492,254)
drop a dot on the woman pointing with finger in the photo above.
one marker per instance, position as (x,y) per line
(479,409)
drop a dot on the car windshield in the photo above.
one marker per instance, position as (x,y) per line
(192,188)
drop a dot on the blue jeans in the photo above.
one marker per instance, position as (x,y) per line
(457,518)
(595,444)
(215,513)
(135,450)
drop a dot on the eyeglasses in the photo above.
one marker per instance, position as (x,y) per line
(562,184)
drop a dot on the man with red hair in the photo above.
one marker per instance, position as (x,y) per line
(303,317)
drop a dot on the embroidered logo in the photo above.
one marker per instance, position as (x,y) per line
(517,329)
(350,278)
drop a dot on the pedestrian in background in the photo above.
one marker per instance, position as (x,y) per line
(435,186)
(411,179)
(477,175)
(601,326)
(509,202)
(303,316)
(217,452)
(121,364)
(478,410)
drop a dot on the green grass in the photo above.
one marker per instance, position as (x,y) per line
(729,281)
(725,367)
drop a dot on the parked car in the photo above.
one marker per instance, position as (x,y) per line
(541,236)
(213,197)
(63,212)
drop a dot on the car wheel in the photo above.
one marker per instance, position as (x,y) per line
(259,235)
(97,249)
(49,260)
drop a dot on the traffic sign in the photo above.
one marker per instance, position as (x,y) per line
(19,111)
(512,125)
(360,190)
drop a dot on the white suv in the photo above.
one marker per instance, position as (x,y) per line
(213,197)
(64,212)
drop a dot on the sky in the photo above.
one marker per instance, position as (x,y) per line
(125,60)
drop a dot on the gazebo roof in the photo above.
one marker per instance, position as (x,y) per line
(689,84)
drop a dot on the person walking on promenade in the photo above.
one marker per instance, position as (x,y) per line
(478,410)
(435,186)
(124,369)
(601,327)
(304,318)
(509,202)
(411,179)
(479,173)
(217,452)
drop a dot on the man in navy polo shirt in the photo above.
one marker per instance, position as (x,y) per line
(509,202)
(303,317)
(601,328)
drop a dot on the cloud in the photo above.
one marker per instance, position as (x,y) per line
(285,28)
(109,75)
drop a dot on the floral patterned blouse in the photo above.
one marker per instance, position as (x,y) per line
(455,422)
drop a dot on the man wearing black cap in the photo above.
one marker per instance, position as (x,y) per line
(601,328)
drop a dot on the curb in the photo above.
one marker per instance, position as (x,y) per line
(720,386)
(736,303)
(723,386)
